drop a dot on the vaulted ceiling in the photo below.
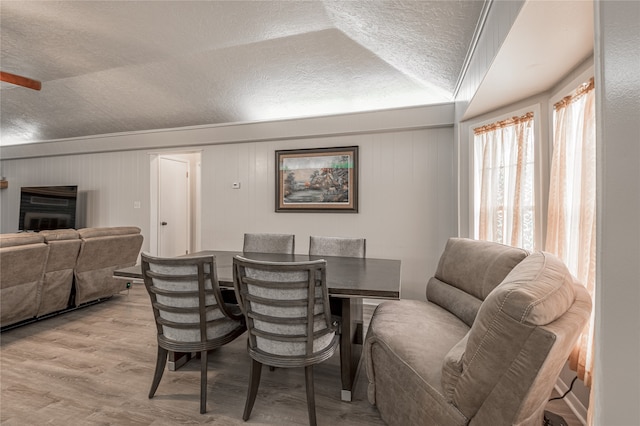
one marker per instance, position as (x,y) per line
(116,66)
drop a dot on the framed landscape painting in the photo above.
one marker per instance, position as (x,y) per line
(317,180)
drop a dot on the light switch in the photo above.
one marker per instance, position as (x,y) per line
(136,204)
(235,185)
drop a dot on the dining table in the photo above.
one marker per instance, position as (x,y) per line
(350,280)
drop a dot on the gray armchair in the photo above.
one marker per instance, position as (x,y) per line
(189,311)
(286,306)
(487,346)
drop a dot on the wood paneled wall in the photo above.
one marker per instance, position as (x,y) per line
(406,199)
(108,185)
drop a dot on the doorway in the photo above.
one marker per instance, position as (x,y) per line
(174,202)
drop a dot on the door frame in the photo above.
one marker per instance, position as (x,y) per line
(194,197)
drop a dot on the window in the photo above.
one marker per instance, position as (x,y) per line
(504,170)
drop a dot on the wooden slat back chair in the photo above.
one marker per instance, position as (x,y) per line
(337,246)
(286,306)
(269,243)
(189,312)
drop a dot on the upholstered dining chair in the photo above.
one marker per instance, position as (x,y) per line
(269,243)
(286,306)
(337,246)
(189,312)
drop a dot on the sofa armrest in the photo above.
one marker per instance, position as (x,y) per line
(452,368)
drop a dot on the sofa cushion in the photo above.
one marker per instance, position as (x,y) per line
(22,260)
(419,333)
(406,342)
(60,234)
(104,250)
(20,239)
(108,231)
(64,245)
(467,272)
(536,292)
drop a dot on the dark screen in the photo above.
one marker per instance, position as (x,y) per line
(47,207)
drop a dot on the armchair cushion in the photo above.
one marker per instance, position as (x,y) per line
(406,353)
(467,272)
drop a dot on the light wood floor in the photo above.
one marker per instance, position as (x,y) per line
(94,367)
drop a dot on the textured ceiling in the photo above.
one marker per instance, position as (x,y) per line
(113,66)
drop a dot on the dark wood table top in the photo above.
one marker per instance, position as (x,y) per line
(346,276)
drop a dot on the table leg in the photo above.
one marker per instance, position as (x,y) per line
(177,360)
(351,338)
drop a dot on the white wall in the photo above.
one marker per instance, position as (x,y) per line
(617,85)
(108,185)
(406,198)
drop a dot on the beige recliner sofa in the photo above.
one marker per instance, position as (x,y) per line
(487,346)
(40,271)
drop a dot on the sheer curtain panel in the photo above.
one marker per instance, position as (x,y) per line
(504,177)
(571,219)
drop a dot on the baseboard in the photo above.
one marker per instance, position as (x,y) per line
(572,401)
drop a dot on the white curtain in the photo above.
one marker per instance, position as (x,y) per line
(571,220)
(504,174)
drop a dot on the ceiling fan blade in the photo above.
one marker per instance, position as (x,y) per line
(20,80)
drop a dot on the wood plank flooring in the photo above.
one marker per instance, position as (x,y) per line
(94,367)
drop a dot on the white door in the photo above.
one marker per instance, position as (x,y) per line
(173,207)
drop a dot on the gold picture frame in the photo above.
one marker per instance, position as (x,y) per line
(317,180)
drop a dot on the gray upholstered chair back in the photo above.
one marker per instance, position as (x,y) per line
(269,243)
(337,246)
(286,306)
(189,311)
(187,302)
